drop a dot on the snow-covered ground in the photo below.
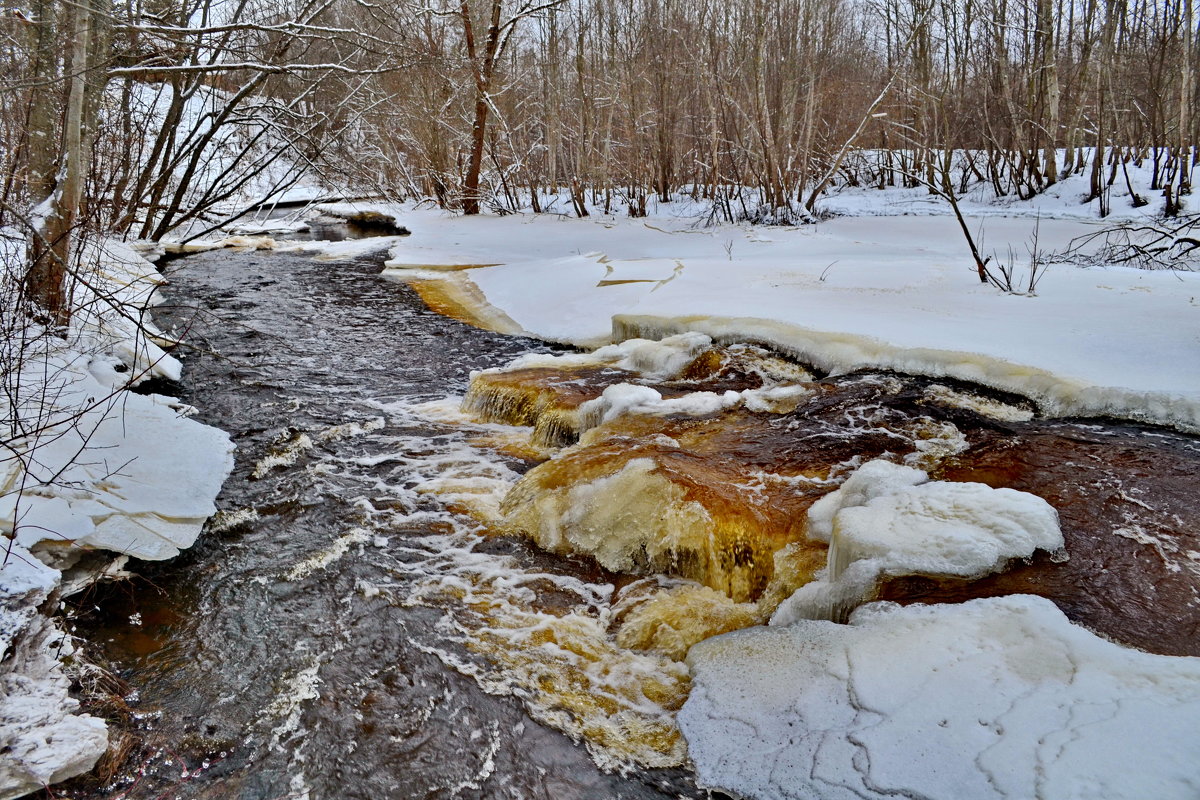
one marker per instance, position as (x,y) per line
(897,291)
(89,465)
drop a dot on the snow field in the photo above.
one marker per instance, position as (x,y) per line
(896,292)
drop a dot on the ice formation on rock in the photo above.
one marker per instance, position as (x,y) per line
(989,699)
(886,519)
(1055,393)
(628,398)
(561,396)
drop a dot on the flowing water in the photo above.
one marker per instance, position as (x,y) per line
(301,648)
(367,617)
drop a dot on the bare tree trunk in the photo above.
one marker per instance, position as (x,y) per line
(46,279)
(1047,83)
(1185,106)
(483,66)
(44,105)
(1103,90)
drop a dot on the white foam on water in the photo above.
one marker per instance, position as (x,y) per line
(560,658)
(288,704)
(323,558)
(285,454)
(984,406)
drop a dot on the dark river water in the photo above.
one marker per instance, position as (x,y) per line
(346,628)
(295,652)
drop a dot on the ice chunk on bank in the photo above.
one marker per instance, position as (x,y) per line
(994,698)
(888,520)
(90,465)
(626,398)
(100,476)
(873,479)
(660,360)
(630,398)
(42,739)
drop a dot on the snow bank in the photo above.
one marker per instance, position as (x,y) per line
(995,698)
(1056,394)
(896,292)
(886,519)
(104,467)
(92,465)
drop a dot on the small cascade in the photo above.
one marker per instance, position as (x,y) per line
(701,485)
(668,617)
(537,398)
(560,397)
(738,495)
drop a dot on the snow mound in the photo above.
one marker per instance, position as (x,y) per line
(656,360)
(886,519)
(629,398)
(995,698)
(873,479)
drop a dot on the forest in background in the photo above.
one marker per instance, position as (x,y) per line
(139,117)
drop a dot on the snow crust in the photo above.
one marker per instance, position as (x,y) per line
(1056,393)
(994,698)
(889,519)
(96,467)
(895,292)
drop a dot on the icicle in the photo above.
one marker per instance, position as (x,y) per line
(839,558)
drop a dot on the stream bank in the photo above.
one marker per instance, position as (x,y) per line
(300,649)
(393,645)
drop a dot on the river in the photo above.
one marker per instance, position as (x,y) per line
(259,664)
(348,628)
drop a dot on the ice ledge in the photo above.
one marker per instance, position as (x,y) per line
(42,739)
(992,699)
(102,467)
(838,353)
